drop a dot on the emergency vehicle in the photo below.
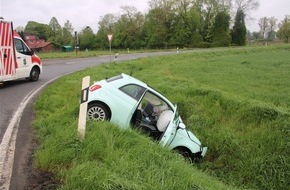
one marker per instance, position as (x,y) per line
(17,60)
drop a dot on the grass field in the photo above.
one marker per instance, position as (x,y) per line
(236,100)
(72,54)
(90,53)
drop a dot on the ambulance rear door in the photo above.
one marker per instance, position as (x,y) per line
(8,62)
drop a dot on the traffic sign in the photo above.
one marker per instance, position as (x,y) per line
(110,36)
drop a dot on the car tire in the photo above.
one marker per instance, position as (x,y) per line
(98,112)
(34,74)
(185,153)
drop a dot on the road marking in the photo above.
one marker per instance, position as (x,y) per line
(7,146)
(70,63)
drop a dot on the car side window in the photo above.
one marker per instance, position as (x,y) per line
(133,90)
(21,47)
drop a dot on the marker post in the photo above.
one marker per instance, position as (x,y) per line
(83,107)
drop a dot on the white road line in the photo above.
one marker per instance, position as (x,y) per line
(7,146)
(70,63)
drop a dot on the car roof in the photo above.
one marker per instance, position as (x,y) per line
(123,79)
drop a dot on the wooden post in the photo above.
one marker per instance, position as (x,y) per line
(83,107)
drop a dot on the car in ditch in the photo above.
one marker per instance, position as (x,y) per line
(129,102)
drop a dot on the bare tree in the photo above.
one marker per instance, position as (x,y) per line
(272,22)
(246,5)
(264,26)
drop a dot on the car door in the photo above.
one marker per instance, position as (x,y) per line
(135,92)
(170,132)
(23,56)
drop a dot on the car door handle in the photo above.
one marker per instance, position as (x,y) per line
(18,57)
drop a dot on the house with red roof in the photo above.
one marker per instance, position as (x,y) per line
(38,45)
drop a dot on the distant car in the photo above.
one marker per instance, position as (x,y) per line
(127,102)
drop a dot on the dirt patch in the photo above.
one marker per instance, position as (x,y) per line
(36,179)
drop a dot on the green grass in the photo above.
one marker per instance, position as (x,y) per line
(72,54)
(91,53)
(236,100)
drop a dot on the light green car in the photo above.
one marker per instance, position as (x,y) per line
(127,102)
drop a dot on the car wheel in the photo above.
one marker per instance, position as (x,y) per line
(98,112)
(185,153)
(34,74)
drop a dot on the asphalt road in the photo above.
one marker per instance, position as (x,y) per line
(16,111)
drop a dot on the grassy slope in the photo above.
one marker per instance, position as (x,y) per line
(235,100)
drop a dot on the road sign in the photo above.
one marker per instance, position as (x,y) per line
(110,36)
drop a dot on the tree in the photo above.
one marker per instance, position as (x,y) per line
(42,31)
(208,11)
(221,32)
(246,5)
(207,26)
(186,21)
(56,31)
(256,35)
(129,28)
(272,22)
(267,27)
(106,23)
(284,29)
(264,25)
(87,38)
(67,33)
(158,22)
(243,8)
(239,31)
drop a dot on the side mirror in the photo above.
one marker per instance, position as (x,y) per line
(31,52)
(182,126)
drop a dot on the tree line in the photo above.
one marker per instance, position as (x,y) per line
(169,24)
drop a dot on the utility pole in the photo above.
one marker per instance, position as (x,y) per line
(76,42)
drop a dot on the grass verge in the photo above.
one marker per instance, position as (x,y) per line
(235,100)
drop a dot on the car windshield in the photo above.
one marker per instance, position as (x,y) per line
(155,103)
(153,99)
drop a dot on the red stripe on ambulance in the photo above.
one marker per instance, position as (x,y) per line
(16,58)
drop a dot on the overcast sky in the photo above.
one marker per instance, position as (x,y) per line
(82,13)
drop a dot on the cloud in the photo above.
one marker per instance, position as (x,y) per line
(82,13)
(269,8)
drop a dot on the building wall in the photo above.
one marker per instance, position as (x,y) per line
(47,48)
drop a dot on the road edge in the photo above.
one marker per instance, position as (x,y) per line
(8,144)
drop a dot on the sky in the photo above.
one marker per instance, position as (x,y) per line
(82,13)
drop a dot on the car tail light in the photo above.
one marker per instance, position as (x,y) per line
(95,87)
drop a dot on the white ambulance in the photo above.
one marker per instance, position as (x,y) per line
(17,61)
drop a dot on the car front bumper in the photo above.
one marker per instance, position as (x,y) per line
(203,152)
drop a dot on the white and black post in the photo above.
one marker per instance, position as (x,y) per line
(83,107)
